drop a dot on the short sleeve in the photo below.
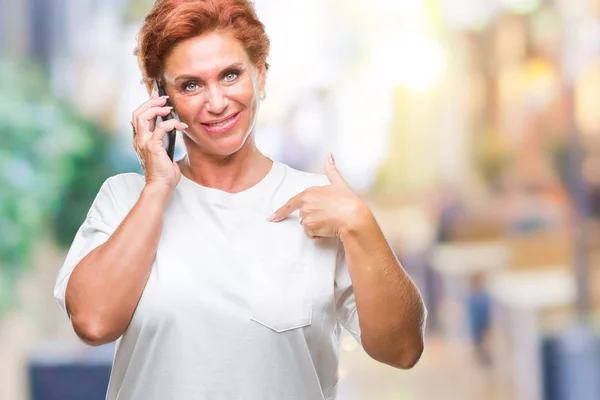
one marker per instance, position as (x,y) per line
(99,224)
(344,297)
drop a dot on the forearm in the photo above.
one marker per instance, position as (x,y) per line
(106,285)
(390,307)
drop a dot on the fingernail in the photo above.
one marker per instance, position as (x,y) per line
(272,217)
(331,159)
(164,97)
(185,126)
(169,107)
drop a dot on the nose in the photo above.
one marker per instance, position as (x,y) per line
(217,101)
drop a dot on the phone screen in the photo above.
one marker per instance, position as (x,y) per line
(171,136)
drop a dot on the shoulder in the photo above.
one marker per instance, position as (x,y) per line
(129,183)
(121,190)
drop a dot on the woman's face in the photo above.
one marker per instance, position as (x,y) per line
(215,90)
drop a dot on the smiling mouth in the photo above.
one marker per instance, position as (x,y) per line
(223,125)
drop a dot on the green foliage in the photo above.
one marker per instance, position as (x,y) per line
(52,163)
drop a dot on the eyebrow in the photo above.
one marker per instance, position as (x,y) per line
(238,65)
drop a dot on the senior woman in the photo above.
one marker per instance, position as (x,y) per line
(228,275)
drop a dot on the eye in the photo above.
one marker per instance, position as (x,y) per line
(190,87)
(231,76)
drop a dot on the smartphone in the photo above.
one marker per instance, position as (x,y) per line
(171,136)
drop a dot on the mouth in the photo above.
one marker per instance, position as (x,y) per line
(221,125)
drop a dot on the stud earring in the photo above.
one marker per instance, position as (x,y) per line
(262,95)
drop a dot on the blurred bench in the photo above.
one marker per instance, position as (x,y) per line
(462,265)
(472,230)
(521,300)
(540,250)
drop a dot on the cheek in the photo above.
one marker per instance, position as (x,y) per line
(189,107)
(243,94)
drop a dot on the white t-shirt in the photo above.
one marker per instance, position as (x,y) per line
(236,307)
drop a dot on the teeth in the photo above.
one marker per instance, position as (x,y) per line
(217,124)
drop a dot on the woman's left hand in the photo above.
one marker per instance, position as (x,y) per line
(326,211)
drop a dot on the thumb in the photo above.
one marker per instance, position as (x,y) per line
(334,175)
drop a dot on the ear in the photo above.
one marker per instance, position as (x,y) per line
(262,76)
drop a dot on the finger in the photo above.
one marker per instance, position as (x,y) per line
(167,126)
(147,119)
(134,130)
(334,175)
(284,211)
(310,234)
(157,134)
(154,112)
(151,102)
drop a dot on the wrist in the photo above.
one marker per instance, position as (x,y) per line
(360,221)
(157,194)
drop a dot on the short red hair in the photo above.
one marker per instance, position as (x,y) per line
(172,21)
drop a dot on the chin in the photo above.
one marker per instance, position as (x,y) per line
(226,145)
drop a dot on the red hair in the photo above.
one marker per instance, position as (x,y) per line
(172,21)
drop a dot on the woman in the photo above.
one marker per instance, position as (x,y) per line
(228,275)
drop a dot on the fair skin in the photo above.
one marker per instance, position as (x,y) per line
(210,78)
(390,308)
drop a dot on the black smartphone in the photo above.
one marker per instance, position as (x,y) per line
(173,134)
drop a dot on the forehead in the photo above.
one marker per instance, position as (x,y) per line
(205,54)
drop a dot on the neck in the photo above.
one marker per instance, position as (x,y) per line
(233,173)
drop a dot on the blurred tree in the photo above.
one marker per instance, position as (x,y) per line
(52,163)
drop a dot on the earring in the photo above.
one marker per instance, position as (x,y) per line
(262,95)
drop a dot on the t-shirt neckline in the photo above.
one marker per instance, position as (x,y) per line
(264,187)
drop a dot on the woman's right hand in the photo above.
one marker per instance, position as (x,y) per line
(159,170)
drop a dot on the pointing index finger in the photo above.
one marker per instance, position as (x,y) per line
(284,211)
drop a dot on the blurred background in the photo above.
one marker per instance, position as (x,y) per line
(472,129)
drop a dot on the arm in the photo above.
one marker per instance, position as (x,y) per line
(104,288)
(106,285)
(390,308)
